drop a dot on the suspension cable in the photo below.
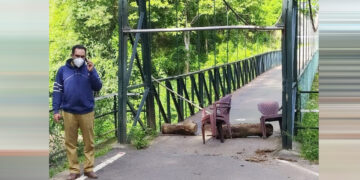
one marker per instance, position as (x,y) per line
(214,36)
(182,97)
(311,17)
(227,42)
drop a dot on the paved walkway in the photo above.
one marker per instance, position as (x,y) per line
(244,101)
(186,158)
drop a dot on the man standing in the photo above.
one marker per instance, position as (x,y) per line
(73,93)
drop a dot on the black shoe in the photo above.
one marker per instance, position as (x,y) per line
(73,176)
(91,175)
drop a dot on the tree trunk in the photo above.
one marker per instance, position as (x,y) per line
(187,45)
(186,127)
(187,50)
(206,45)
(245,130)
(189,127)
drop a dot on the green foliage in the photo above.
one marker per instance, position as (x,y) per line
(137,138)
(140,138)
(309,138)
(55,170)
(94,24)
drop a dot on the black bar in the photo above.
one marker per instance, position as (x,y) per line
(251,67)
(101,135)
(168,105)
(241,73)
(192,91)
(217,74)
(181,101)
(133,111)
(226,79)
(248,71)
(115,114)
(308,91)
(168,85)
(210,84)
(262,64)
(105,114)
(191,107)
(231,74)
(261,28)
(193,82)
(141,106)
(208,95)
(245,71)
(253,64)
(213,81)
(257,65)
(236,76)
(161,108)
(201,90)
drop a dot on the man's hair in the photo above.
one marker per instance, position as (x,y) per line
(78,47)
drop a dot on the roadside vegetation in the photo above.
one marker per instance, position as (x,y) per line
(309,138)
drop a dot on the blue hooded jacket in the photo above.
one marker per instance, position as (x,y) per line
(73,89)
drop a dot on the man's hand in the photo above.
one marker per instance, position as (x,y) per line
(57,117)
(90,65)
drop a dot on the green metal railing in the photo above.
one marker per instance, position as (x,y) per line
(300,111)
(203,87)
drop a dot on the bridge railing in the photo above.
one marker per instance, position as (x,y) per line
(204,87)
(300,111)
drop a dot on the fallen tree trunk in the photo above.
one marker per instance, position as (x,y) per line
(245,130)
(189,127)
(186,127)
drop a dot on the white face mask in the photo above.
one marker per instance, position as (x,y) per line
(79,62)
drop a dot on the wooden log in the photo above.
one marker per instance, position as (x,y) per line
(186,127)
(245,130)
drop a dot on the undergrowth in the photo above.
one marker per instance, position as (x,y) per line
(309,138)
(141,138)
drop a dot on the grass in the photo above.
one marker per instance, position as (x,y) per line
(309,138)
(140,138)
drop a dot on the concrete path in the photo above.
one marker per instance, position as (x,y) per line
(244,100)
(186,158)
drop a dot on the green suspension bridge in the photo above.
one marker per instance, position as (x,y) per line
(284,75)
(298,58)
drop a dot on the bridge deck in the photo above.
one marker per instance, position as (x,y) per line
(244,100)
